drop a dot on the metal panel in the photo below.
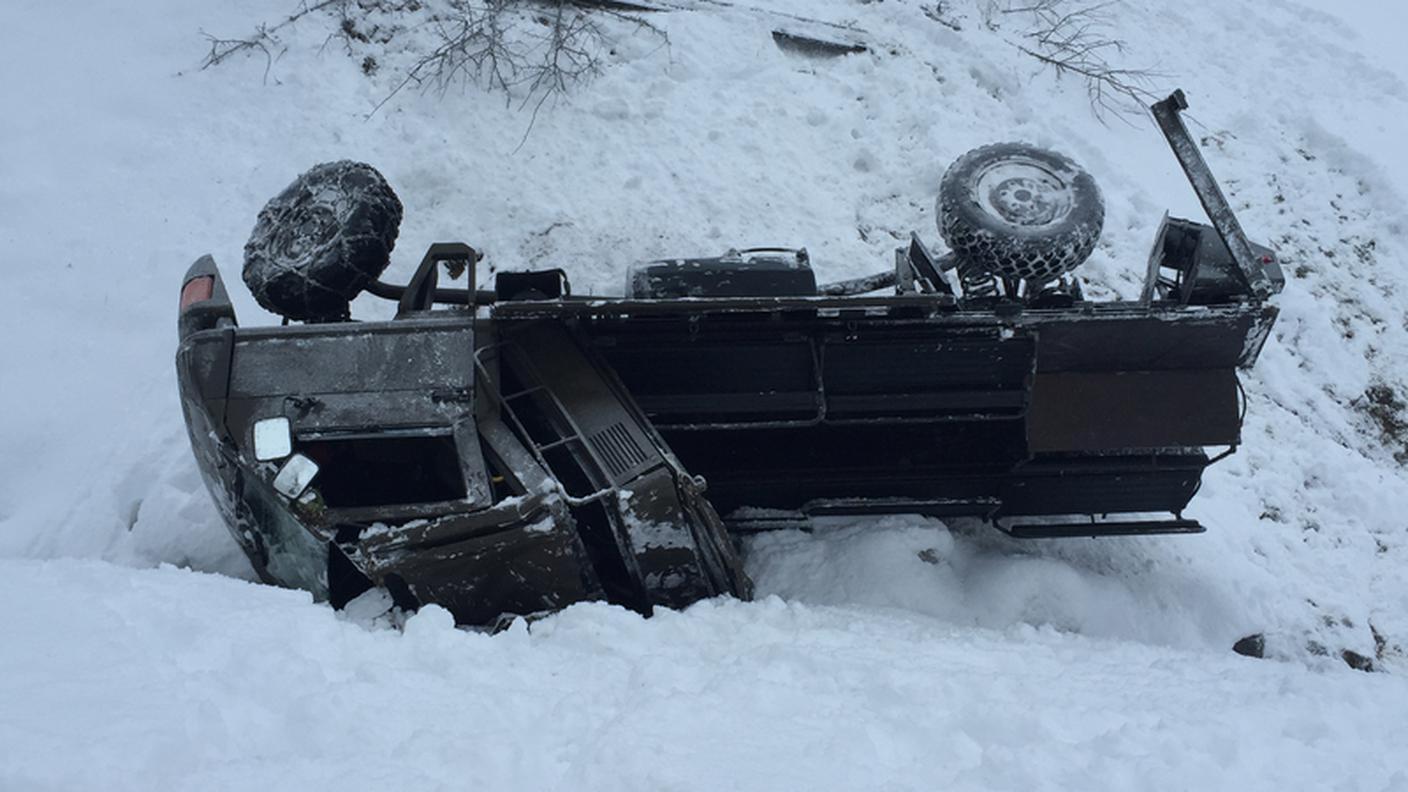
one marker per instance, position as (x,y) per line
(1110,411)
(1103,484)
(618,449)
(937,375)
(354,358)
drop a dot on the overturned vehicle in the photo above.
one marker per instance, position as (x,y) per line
(511,450)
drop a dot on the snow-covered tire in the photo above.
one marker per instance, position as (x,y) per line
(1021,212)
(319,243)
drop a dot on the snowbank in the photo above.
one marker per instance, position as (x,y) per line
(201,682)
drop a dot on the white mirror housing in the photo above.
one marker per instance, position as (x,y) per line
(273,439)
(295,476)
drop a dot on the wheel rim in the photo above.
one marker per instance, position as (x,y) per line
(1024,193)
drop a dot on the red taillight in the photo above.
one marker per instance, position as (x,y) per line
(196,290)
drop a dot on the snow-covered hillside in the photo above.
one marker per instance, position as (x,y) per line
(884,654)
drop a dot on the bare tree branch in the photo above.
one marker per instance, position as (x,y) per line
(532,49)
(529,50)
(264,39)
(1073,37)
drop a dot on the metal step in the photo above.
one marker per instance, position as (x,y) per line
(1100,528)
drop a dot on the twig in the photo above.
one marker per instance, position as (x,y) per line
(264,39)
(1072,37)
(530,50)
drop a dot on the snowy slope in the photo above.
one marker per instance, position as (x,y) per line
(1003,664)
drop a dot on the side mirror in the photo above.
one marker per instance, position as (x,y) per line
(295,476)
(273,439)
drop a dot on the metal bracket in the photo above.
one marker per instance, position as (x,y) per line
(422,291)
(1166,113)
(925,269)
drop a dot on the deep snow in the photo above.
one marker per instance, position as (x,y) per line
(210,683)
(896,653)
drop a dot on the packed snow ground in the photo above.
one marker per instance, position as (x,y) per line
(896,653)
(192,681)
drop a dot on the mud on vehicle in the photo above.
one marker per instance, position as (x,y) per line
(510,448)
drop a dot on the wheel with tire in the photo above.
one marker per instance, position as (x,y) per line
(1019,212)
(321,241)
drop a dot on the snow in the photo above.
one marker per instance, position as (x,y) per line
(768,695)
(892,653)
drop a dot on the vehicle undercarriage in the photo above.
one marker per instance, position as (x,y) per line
(510,450)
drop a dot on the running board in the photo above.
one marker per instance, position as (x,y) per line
(1095,528)
(748,520)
